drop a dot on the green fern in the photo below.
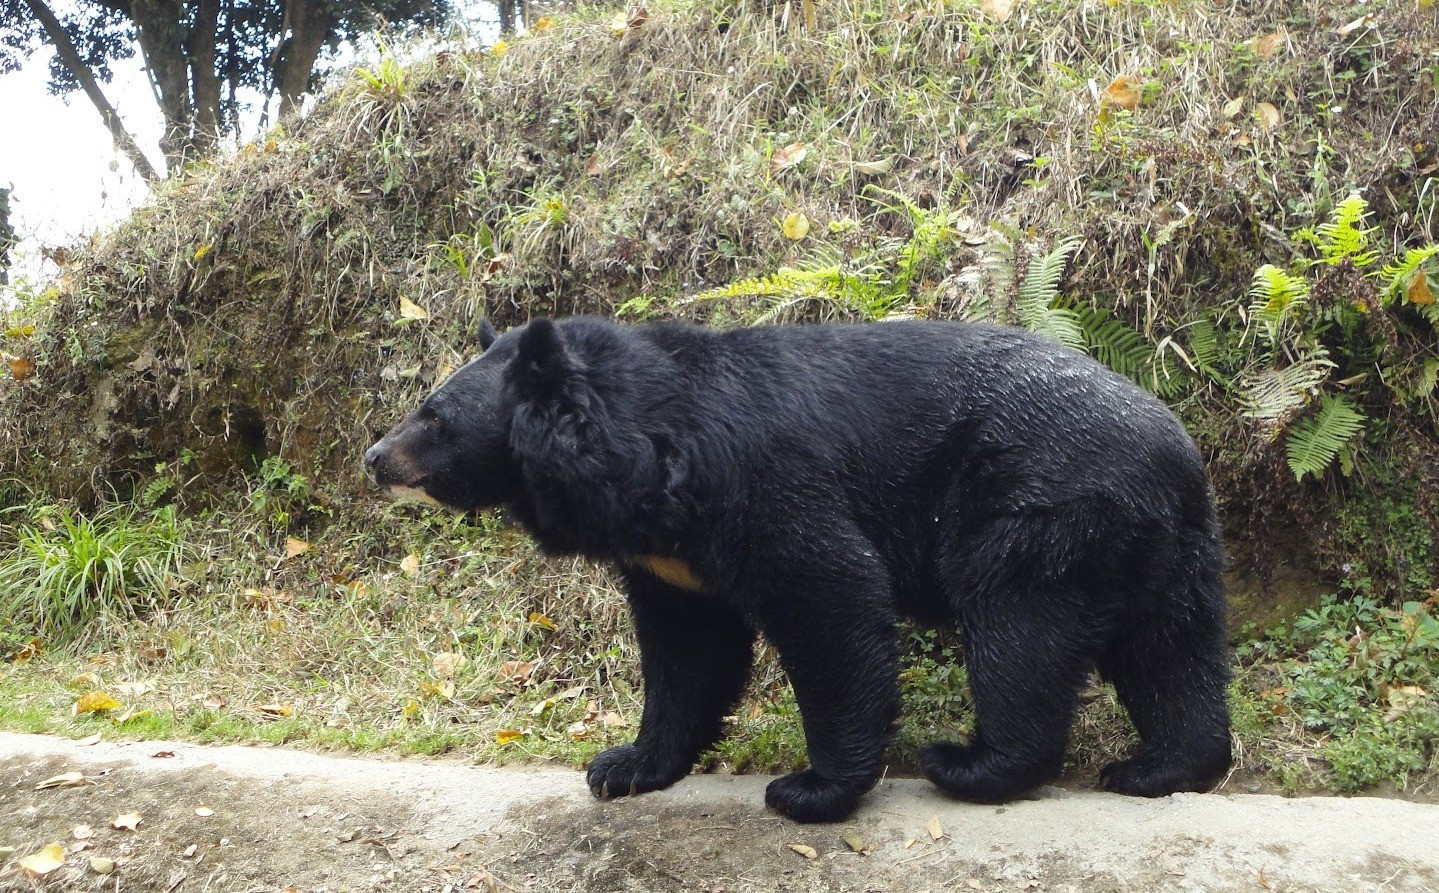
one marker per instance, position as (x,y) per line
(787,282)
(1396,276)
(1275,298)
(1035,302)
(1344,236)
(1114,343)
(1314,442)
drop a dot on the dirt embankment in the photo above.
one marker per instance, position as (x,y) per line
(288,820)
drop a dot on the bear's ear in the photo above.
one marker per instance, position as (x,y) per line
(543,366)
(488,335)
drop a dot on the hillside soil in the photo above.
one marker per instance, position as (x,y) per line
(278,820)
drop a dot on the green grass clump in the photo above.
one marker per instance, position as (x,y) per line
(70,576)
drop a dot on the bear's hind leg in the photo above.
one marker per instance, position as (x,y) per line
(1171,675)
(1025,672)
(695,653)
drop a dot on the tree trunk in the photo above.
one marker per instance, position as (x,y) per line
(162,42)
(70,58)
(204,77)
(310,24)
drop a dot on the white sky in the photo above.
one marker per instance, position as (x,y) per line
(68,178)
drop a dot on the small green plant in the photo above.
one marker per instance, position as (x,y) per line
(281,495)
(1364,676)
(69,574)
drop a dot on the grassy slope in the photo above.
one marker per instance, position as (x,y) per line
(251,312)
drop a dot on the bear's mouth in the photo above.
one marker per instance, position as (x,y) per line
(412,492)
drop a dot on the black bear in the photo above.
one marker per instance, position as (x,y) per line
(814,483)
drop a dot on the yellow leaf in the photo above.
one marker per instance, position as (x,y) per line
(93,702)
(542,706)
(854,842)
(47,860)
(1267,114)
(411,709)
(620,23)
(294,546)
(202,251)
(543,23)
(410,564)
(789,156)
(875,168)
(410,310)
(807,851)
(499,49)
(447,663)
(795,226)
(1418,291)
(539,619)
(505,736)
(1123,93)
(127,822)
(934,828)
(275,711)
(68,780)
(1233,107)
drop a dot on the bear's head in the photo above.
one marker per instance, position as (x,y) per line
(454,450)
(569,425)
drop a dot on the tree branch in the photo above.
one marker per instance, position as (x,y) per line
(70,58)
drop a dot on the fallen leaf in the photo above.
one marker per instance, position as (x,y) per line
(102,865)
(1267,114)
(854,842)
(47,860)
(577,729)
(911,842)
(275,711)
(410,310)
(934,828)
(91,740)
(410,564)
(21,368)
(1233,107)
(499,48)
(126,822)
(614,721)
(517,671)
(295,546)
(447,663)
(134,689)
(542,706)
(637,16)
(444,689)
(539,619)
(1123,93)
(203,251)
(795,226)
(876,167)
(789,156)
(505,736)
(68,780)
(1266,45)
(82,832)
(85,680)
(1418,291)
(619,23)
(999,10)
(807,851)
(543,23)
(204,812)
(189,851)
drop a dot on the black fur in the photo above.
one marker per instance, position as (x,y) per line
(814,483)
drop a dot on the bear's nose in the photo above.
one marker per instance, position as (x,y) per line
(372,457)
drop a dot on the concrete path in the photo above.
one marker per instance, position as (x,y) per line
(287,820)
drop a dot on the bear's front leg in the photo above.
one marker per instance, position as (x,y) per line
(834,631)
(695,653)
